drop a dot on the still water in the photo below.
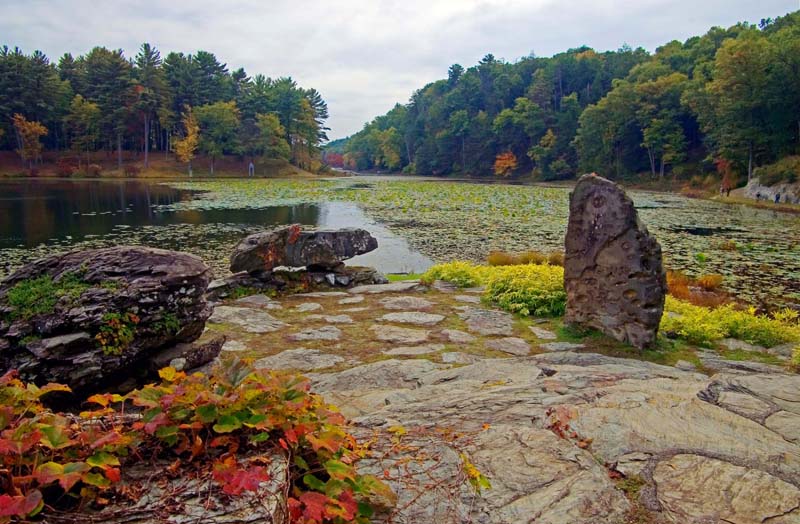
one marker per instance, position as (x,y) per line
(40,217)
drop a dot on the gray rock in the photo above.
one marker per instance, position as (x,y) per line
(785,424)
(696,489)
(354,309)
(740,345)
(305,307)
(325,294)
(392,287)
(413,317)
(406,303)
(331,319)
(352,300)
(322,333)
(160,295)
(783,350)
(251,320)
(470,299)
(414,350)
(457,337)
(399,335)
(290,246)
(542,333)
(487,321)
(456,357)
(560,346)
(258,301)
(299,359)
(613,272)
(512,345)
(234,345)
(717,362)
(685,366)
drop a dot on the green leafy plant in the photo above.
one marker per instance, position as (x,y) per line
(211,422)
(117,332)
(38,296)
(168,324)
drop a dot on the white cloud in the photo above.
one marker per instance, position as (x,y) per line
(366,55)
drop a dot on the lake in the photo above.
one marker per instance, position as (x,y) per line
(416,222)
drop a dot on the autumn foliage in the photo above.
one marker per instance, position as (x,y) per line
(206,425)
(29,133)
(505,164)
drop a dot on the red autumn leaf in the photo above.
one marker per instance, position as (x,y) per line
(19,505)
(314,505)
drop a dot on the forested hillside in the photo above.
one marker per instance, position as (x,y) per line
(191,104)
(727,101)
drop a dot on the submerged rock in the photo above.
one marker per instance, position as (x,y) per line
(613,272)
(290,246)
(89,318)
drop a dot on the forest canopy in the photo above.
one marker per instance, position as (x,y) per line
(728,100)
(104,100)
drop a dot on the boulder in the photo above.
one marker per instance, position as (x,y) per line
(89,318)
(613,272)
(290,246)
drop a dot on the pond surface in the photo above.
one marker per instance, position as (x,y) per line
(416,222)
(40,217)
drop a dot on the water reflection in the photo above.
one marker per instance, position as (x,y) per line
(39,217)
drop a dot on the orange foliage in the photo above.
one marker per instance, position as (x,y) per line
(701,292)
(505,164)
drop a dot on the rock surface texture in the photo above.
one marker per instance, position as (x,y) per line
(290,246)
(135,301)
(613,272)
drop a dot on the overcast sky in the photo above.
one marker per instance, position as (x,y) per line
(366,55)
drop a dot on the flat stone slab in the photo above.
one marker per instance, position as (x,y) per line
(685,365)
(305,307)
(331,319)
(457,357)
(785,424)
(487,321)
(300,359)
(414,350)
(784,350)
(252,320)
(544,334)
(399,335)
(323,333)
(234,345)
(325,294)
(352,300)
(413,317)
(560,346)
(262,301)
(734,344)
(700,489)
(512,345)
(715,361)
(470,299)
(457,337)
(354,309)
(391,287)
(406,303)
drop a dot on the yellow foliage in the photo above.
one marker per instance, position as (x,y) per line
(505,163)
(702,325)
(186,147)
(29,132)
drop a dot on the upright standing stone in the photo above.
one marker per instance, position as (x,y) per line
(613,273)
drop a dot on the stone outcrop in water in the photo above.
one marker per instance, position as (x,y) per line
(290,246)
(92,318)
(613,272)
(269,261)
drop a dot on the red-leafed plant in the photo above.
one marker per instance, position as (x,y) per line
(205,420)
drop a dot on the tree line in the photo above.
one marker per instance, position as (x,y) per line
(187,103)
(728,100)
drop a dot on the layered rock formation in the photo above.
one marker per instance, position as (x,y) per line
(88,318)
(290,246)
(288,258)
(613,272)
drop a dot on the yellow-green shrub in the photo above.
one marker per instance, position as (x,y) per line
(702,325)
(527,289)
(794,363)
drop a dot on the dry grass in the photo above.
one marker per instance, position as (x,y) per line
(704,291)
(502,258)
